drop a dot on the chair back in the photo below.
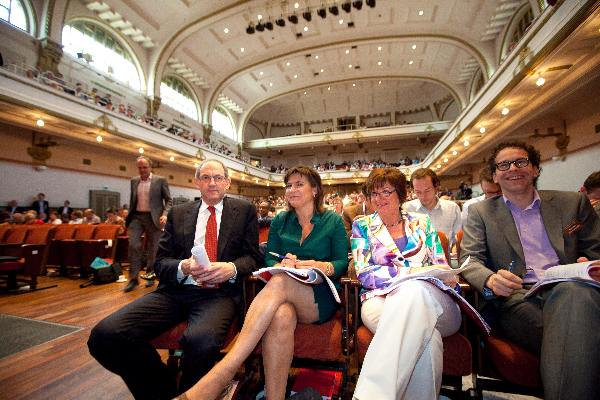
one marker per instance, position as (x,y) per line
(445,245)
(3,231)
(16,235)
(459,236)
(64,231)
(106,231)
(84,232)
(263,234)
(39,234)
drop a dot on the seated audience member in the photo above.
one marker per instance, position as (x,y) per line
(65,209)
(54,219)
(488,187)
(114,219)
(444,214)
(76,217)
(123,213)
(12,207)
(336,205)
(264,219)
(361,208)
(65,218)
(308,236)
(404,359)
(31,218)
(207,297)
(89,217)
(18,218)
(511,240)
(591,188)
(4,218)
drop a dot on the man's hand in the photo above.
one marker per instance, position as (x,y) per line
(504,283)
(216,272)
(162,220)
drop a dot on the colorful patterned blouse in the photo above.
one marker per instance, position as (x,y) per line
(377,257)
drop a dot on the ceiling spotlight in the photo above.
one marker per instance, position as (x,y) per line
(260,27)
(379,83)
(171,158)
(270,84)
(261,73)
(371,3)
(349,65)
(307,16)
(341,21)
(293,19)
(295,76)
(280,22)
(305,29)
(269,25)
(414,47)
(259,17)
(296,5)
(439,166)
(347,7)
(454,152)
(226,30)
(40,122)
(354,85)
(328,87)
(505,111)
(250,29)
(99,139)
(141,150)
(287,64)
(334,10)
(379,63)
(357,4)
(540,81)
(446,159)
(242,49)
(482,130)
(466,143)
(411,62)
(347,51)
(321,12)
(379,48)
(421,12)
(322,70)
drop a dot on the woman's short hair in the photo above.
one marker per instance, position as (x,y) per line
(313,178)
(380,176)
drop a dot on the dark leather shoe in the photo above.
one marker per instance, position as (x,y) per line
(149,284)
(131,285)
(149,277)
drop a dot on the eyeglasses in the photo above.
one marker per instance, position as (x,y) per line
(519,163)
(216,178)
(384,194)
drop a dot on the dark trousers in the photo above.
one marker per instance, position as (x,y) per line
(142,223)
(562,325)
(120,341)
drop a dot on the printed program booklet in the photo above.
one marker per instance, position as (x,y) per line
(576,272)
(310,276)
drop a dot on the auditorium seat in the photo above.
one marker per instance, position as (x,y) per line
(13,239)
(445,245)
(62,232)
(70,254)
(459,236)
(3,231)
(103,244)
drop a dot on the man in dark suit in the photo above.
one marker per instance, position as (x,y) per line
(363,207)
(41,206)
(65,209)
(206,296)
(150,201)
(512,239)
(12,207)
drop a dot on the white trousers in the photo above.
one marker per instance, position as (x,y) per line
(405,357)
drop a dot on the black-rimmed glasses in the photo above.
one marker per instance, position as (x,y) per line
(519,163)
(384,194)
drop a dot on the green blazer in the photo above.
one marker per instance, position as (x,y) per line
(491,238)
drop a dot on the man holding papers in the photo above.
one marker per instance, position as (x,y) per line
(512,239)
(207,296)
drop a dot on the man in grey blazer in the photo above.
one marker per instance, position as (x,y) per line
(511,240)
(150,201)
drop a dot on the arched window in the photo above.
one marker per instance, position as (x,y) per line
(222,123)
(174,94)
(517,29)
(17,13)
(83,39)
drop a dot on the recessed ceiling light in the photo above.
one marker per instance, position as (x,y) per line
(466,143)
(306,29)
(287,64)
(421,12)
(379,83)
(226,30)
(259,16)
(379,48)
(328,87)
(379,63)
(40,122)
(271,84)
(304,92)
(446,159)
(316,57)
(341,21)
(540,81)
(482,130)
(354,85)
(99,139)
(242,49)
(295,76)
(261,73)
(171,158)
(411,62)
(349,65)
(439,166)
(296,5)
(347,51)
(454,152)
(141,150)
(414,47)
(505,111)
(322,70)
(196,165)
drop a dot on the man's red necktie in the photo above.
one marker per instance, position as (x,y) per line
(210,240)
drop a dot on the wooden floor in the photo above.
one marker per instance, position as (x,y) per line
(63,368)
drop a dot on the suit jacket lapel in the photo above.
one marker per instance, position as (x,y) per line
(508,228)
(552,218)
(189,224)
(228,219)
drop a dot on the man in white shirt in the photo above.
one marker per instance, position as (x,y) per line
(489,189)
(444,214)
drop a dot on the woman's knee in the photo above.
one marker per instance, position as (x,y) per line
(279,283)
(285,318)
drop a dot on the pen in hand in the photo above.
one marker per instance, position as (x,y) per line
(277,255)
